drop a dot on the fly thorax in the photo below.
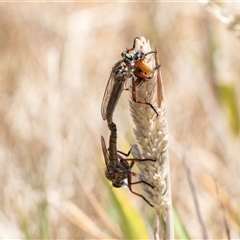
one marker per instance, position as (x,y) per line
(109,174)
(122,70)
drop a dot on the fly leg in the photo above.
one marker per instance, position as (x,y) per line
(134,96)
(141,102)
(124,163)
(130,183)
(125,154)
(134,44)
(154,69)
(134,159)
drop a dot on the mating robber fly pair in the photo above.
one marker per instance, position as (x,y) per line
(131,67)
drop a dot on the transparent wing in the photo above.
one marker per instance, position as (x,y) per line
(113,89)
(105,152)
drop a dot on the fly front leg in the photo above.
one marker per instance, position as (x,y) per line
(134,45)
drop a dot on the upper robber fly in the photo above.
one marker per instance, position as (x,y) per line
(141,70)
(131,66)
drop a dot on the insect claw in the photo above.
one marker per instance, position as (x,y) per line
(147,201)
(152,107)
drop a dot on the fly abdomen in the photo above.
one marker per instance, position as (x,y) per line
(113,142)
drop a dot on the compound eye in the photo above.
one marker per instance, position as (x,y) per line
(118,184)
(138,55)
(128,56)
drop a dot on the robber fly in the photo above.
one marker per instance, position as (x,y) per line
(131,66)
(140,68)
(117,168)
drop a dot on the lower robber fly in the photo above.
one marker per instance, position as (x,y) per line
(131,66)
(117,168)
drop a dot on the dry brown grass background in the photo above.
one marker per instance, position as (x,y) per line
(55,60)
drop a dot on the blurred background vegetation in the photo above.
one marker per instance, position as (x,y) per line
(55,60)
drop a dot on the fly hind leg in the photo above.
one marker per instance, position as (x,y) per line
(130,183)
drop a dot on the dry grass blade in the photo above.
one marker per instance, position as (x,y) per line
(79,218)
(156,229)
(152,135)
(195,199)
(230,18)
(97,207)
(225,222)
(159,84)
